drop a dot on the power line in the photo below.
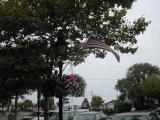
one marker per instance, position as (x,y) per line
(107,79)
(90,63)
(103,66)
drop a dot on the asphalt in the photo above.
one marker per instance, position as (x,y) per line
(20,115)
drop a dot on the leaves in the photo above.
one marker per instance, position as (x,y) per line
(96,102)
(29,31)
(76,18)
(150,87)
(141,80)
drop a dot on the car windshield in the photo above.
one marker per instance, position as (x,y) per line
(84,117)
(130,117)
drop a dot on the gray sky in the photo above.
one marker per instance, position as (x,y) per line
(101,75)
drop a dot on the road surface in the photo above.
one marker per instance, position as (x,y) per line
(20,115)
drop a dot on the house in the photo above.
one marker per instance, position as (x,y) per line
(85,104)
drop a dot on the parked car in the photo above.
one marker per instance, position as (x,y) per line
(68,115)
(52,116)
(32,116)
(136,116)
(90,116)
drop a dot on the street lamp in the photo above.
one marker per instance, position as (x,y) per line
(61,52)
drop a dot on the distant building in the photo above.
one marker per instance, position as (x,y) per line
(85,104)
(109,106)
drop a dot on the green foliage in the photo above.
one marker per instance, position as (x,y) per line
(48,87)
(25,104)
(150,87)
(29,31)
(78,19)
(96,102)
(141,80)
(50,103)
(123,107)
(140,72)
(20,69)
(123,85)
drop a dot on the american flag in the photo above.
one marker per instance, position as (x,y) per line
(94,42)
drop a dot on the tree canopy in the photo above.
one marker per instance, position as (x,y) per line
(142,80)
(151,87)
(25,104)
(96,102)
(29,30)
(77,19)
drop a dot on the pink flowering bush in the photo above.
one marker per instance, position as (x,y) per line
(73,85)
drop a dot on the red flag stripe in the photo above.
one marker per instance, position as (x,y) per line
(100,45)
(108,49)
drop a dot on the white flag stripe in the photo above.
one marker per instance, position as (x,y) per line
(95,43)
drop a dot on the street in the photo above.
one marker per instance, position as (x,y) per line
(20,115)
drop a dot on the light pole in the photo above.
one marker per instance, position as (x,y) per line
(61,51)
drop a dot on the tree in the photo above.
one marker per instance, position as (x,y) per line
(150,88)
(19,66)
(50,105)
(25,104)
(136,78)
(40,22)
(77,19)
(140,72)
(96,102)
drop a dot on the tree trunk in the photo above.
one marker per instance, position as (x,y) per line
(46,116)
(10,106)
(16,104)
(2,108)
(38,101)
(60,108)
(9,109)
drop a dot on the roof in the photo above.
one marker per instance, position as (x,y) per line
(134,113)
(89,113)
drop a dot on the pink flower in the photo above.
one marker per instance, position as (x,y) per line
(72,84)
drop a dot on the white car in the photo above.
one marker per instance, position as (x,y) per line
(136,116)
(91,116)
(52,115)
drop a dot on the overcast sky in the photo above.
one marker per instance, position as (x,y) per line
(101,75)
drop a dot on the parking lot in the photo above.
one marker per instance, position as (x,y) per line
(20,115)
